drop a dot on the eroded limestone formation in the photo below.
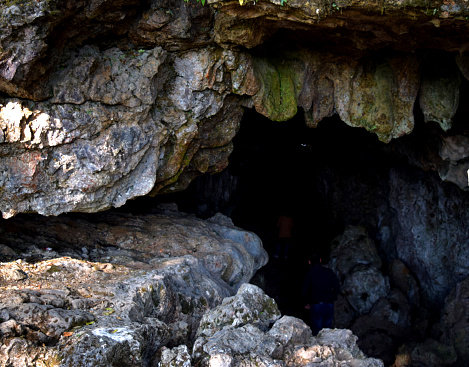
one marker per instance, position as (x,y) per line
(114,290)
(107,100)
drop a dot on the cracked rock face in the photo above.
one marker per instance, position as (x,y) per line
(108,100)
(114,290)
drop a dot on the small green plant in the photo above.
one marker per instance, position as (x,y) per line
(336,7)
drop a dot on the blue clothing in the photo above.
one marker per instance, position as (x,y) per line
(283,247)
(321,315)
(320,289)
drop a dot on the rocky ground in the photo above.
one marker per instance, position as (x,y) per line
(142,281)
(117,289)
(81,291)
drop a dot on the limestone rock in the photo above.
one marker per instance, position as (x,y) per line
(439,92)
(343,339)
(454,148)
(290,331)
(288,342)
(139,296)
(385,328)
(175,357)
(232,254)
(88,124)
(250,305)
(101,145)
(363,287)
(378,96)
(453,151)
(353,248)
(423,229)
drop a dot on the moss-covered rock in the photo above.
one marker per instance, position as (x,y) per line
(281,82)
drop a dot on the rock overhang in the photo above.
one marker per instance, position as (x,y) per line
(145,101)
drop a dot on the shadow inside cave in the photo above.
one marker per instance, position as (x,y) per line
(329,178)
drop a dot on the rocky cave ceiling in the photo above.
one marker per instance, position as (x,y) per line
(109,101)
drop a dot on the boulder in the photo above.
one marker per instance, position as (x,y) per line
(175,357)
(225,339)
(351,249)
(364,287)
(250,305)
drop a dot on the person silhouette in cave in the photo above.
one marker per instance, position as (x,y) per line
(320,289)
(284,239)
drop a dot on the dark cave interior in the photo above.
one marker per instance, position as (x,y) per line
(326,178)
(284,166)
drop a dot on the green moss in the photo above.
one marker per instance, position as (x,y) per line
(270,307)
(373,102)
(277,97)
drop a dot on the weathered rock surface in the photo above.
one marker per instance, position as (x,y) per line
(142,307)
(379,309)
(351,249)
(149,290)
(222,248)
(103,101)
(430,240)
(229,337)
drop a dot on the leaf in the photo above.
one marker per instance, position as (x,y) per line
(114,331)
(68,333)
(109,311)
(90,323)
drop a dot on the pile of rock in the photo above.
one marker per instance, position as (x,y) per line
(247,329)
(130,305)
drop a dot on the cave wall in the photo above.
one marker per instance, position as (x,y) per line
(106,101)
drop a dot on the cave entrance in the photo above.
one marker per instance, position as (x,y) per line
(286,166)
(329,178)
(326,178)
